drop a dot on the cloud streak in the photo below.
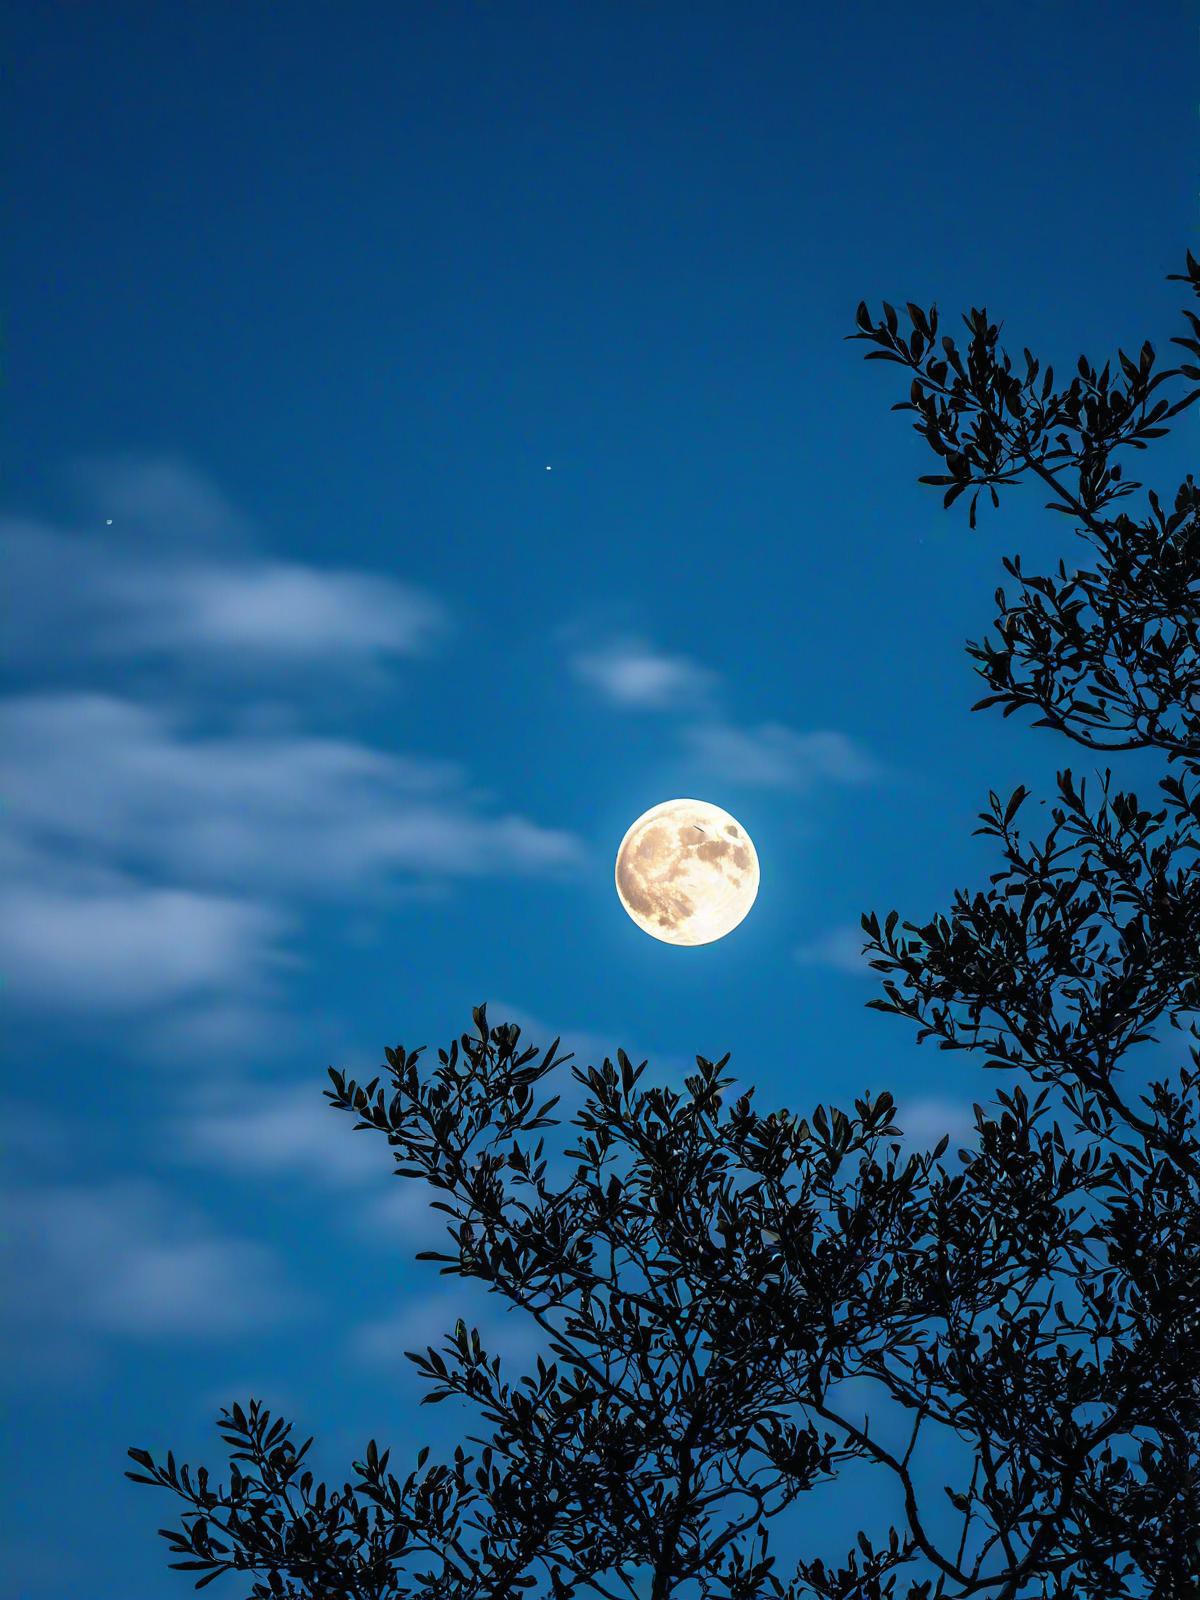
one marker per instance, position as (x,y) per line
(133,946)
(632,674)
(291,1133)
(285,812)
(178,576)
(925,1118)
(270,609)
(774,756)
(512,1335)
(149,861)
(839,949)
(124,1259)
(175,867)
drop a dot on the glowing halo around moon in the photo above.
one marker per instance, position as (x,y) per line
(687,872)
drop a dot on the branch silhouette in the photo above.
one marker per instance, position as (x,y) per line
(709,1278)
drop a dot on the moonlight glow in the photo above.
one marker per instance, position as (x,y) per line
(687,872)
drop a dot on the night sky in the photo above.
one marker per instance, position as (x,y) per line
(326,704)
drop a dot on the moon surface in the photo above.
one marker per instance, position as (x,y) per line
(687,872)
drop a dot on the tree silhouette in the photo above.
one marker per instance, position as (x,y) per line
(716,1286)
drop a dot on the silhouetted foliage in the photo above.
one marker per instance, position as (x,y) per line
(710,1280)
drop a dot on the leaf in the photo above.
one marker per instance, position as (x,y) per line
(1016,800)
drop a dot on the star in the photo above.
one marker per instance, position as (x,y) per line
(549,469)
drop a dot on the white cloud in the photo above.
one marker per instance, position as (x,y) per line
(162,498)
(632,673)
(144,864)
(838,948)
(587,1048)
(404,1211)
(228,1030)
(123,1258)
(177,575)
(925,1118)
(774,756)
(271,812)
(510,1334)
(291,1132)
(132,947)
(270,609)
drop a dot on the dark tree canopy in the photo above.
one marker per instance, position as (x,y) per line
(710,1278)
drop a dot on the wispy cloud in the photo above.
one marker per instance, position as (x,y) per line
(772,755)
(511,1334)
(925,1118)
(629,672)
(133,946)
(840,949)
(282,812)
(178,575)
(159,498)
(271,609)
(587,1047)
(291,1132)
(403,1213)
(144,864)
(152,862)
(126,1259)
(247,1023)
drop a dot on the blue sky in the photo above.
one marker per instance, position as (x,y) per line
(326,705)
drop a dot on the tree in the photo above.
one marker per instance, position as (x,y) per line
(710,1279)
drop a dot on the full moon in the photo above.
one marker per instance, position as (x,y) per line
(687,872)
